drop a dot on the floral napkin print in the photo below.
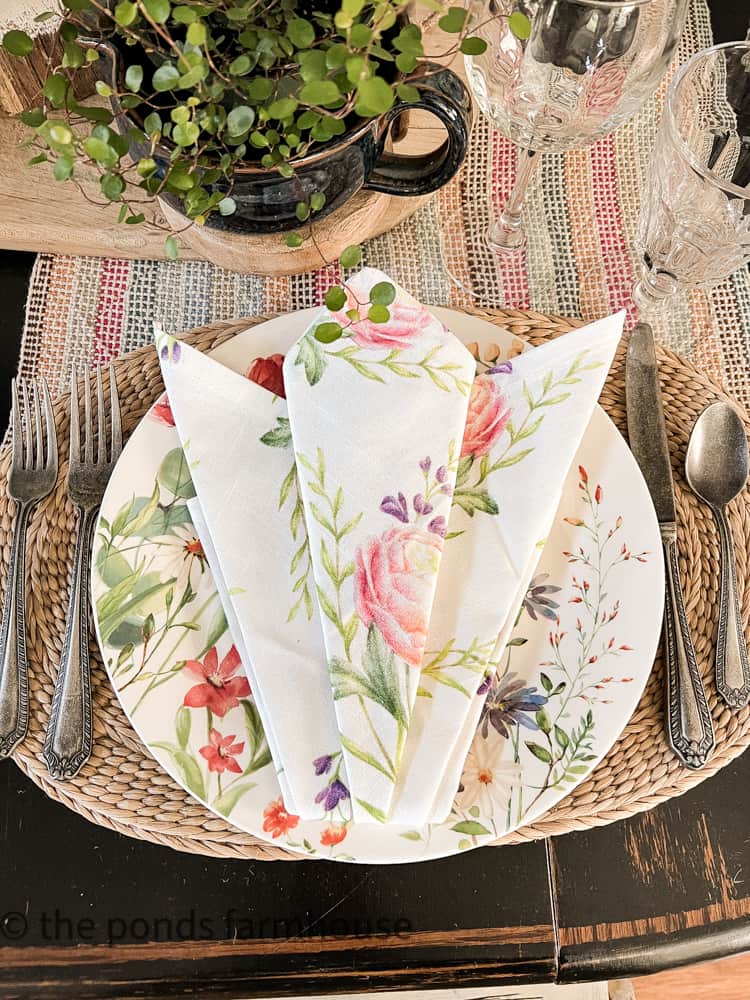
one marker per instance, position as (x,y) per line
(236,438)
(377,418)
(525,422)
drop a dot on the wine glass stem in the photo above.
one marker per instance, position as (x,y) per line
(506,232)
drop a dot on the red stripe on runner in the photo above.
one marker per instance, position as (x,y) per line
(110,311)
(511,268)
(618,273)
(324,277)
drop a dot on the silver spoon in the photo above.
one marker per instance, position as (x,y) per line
(716,467)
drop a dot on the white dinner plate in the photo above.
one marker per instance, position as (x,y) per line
(582,648)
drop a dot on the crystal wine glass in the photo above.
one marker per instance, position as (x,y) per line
(584,68)
(694,228)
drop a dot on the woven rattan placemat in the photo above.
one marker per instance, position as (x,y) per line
(124,789)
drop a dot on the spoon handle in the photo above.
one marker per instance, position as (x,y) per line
(732,667)
(689,725)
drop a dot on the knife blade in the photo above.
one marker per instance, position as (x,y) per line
(647,429)
(689,725)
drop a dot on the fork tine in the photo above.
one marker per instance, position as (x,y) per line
(39,440)
(75,420)
(88,423)
(115,415)
(29,434)
(16,423)
(49,419)
(101,420)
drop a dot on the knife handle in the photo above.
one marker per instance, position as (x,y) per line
(689,726)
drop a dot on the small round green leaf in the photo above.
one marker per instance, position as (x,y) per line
(166,77)
(227,206)
(453,21)
(351,256)
(300,33)
(378,314)
(382,294)
(125,13)
(100,151)
(293,240)
(18,43)
(33,117)
(260,88)
(63,168)
(184,14)
(157,10)
(134,78)
(197,33)
(55,88)
(282,108)
(112,186)
(61,134)
(374,97)
(327,333)
(152,123)
(335,298)
(360,35)
(241,65)
(320,93)
(186,135)
(302,211)
(240,119)
(146,167)
(317,201)
(407,93)
(520,25)
(103,89)
(473,46)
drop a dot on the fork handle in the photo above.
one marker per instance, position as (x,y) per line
(689,724)
(14,672)
(69,733)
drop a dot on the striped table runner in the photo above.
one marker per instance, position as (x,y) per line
(581,215)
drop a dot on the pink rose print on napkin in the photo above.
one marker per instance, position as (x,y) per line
(393,585)
(407,322)
(488,414)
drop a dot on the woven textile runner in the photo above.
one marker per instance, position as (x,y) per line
(581,216)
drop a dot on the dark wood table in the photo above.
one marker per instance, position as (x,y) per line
(88,913)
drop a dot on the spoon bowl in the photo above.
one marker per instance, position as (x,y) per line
(716,466)
(716,469)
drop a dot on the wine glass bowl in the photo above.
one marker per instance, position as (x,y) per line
(584,69)
(694,227)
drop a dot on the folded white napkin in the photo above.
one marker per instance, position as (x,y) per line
(526,420)
(377,417)
(236,438)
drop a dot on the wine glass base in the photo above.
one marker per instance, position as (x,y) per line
(505,242)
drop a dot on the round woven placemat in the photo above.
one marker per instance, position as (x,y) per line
(124,789)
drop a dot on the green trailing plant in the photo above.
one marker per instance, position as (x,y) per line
(210,85)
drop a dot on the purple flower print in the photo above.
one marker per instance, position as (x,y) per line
(422,506)
(505,368)
(396,507)
(511,702)
(425,464)
(332,794)
(438,526)
(442,474)
(485,685)
(323,764)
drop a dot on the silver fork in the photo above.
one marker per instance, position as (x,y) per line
(69,734)
(32,476)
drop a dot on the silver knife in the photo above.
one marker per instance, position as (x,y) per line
(689,725)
